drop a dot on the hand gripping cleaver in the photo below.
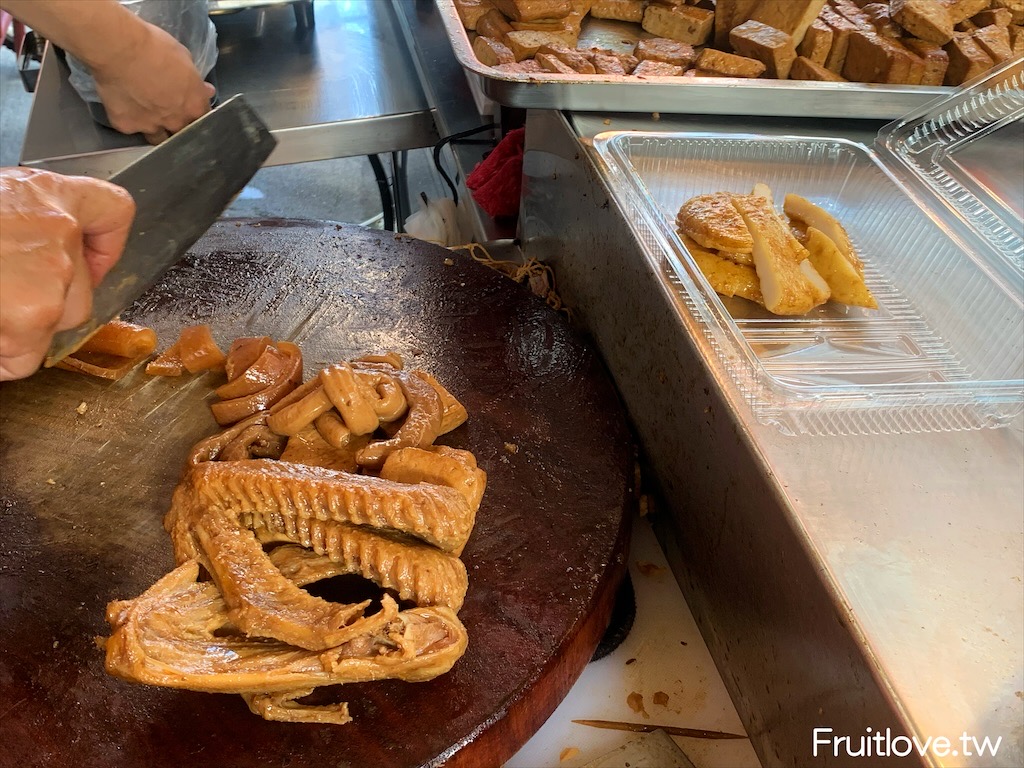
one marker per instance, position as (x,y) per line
(180,188)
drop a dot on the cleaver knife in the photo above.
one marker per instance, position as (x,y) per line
(180,188)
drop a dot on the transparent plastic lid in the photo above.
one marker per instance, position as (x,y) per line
(967,150)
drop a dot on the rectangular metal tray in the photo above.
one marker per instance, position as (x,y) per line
(673,95)
(942,351)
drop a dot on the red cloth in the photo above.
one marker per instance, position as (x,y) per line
(496,182)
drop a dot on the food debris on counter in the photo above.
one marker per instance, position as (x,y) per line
(636,703)
(511,447)
(82,408)
(660,698)
(568,754)
(648,569)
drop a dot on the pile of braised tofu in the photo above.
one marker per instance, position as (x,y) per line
(908,42)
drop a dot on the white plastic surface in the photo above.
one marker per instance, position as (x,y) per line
(663,652)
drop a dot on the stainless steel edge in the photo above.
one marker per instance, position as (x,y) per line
(718,96)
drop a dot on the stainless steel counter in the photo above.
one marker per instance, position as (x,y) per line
(347,86)
(853,584)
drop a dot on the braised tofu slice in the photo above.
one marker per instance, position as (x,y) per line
(725,276)
(789,283)
(844,281)
(803,210)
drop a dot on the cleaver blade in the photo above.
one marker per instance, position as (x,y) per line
(180,188)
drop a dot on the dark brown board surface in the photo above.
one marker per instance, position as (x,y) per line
(82,497)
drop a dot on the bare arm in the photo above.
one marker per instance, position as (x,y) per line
(145,78)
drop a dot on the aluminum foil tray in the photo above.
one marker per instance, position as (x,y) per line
(708,96)
(945,349)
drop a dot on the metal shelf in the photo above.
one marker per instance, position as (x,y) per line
(345,87)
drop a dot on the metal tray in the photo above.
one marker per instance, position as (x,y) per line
(673,95)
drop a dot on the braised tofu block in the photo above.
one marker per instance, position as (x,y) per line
(790,16)
(960,10)
(872,58)
(492,52)
(493,24)
(607,65)
(551,63)
(729,14)
(805,69)
(524,67)
(995,41)
(683,23)
(936,60)
(1001,17)
(770,46)
(1015,7)
(728,64)
(841,29)
(967,59)
(531,10)
(1016,33)
(652,68)
(880,15)
(924,19)
(525,44)
(627,60)
(619,10)
(540,25)
(817,42)
(571,57)
(663,49)
(471,10)
(853,14)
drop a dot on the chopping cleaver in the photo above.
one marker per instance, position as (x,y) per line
(180,188)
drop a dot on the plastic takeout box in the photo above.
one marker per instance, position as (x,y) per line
(935,214)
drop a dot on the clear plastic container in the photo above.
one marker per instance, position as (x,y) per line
(945,348)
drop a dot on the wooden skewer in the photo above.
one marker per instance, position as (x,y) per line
(671,730)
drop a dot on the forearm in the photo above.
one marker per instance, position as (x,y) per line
(98,32)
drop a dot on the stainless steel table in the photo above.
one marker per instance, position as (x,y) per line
(345,87)
(852,584)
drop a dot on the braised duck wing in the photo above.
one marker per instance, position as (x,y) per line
(178,634)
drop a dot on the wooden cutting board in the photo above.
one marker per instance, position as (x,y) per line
(87,468)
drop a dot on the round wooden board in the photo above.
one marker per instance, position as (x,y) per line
(83,494)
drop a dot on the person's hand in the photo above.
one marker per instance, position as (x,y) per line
(59,235)
(153,89)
